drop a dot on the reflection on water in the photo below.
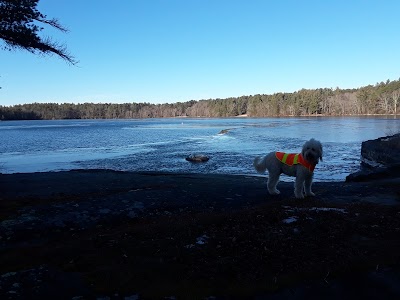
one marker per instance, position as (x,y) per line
(163,144)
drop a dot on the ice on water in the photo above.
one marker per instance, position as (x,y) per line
(163,144)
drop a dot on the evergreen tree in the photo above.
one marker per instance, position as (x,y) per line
(20,23)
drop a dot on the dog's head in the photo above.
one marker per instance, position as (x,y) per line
(312,151)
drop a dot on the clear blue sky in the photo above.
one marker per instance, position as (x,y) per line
(163,51)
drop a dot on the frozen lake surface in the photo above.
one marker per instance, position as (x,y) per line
(163,144)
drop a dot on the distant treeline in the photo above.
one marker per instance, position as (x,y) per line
(382,98)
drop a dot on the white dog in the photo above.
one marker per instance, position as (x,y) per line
(299,165)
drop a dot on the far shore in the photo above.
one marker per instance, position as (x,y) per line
(236,116)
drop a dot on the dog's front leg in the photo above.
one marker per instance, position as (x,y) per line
(307,186)
(298,187)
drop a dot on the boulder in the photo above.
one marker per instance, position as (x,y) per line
(367,174)
(224,131)
(382,152)
(380,159)
(197,158)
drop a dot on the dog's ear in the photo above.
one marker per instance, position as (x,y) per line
(320,152)
(304,149)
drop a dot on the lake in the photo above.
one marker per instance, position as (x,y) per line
(163,144)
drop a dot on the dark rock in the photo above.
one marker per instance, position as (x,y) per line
(380,158)
(382,152)
(367,174)
(224,131)
(197,158)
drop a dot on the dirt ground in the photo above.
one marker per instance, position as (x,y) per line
(93,234)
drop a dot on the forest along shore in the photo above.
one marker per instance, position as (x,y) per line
(383,99)
(98,232)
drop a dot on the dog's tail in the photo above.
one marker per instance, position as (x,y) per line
(260,164)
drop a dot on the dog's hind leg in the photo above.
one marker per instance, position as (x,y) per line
(272,183)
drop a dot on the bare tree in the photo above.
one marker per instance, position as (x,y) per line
(385,102)
(395,97)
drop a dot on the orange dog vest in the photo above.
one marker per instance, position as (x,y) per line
(291,159)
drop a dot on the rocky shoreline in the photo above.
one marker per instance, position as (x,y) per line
(101,234)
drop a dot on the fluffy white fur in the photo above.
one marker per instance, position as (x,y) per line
(312,152)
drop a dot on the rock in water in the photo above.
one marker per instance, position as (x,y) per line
(197,158)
